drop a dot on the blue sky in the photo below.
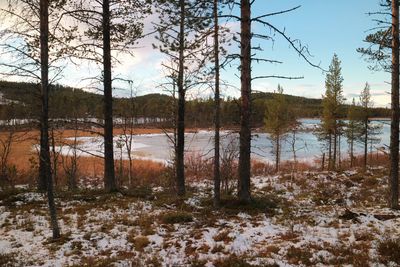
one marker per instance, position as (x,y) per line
(326,27)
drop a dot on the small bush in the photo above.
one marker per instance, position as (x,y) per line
(143,192)
(236,261)
(140,242)
(389,250)
(145,223)
(177,217)
(9,260)
(266,204)
(299,255)
(223,236)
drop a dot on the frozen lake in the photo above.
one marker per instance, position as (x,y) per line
(157,147)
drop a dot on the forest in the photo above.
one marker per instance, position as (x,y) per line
(163,133)
(199,112)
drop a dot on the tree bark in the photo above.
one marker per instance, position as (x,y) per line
(394,127)
(365,144)
(339,151)
(44,137)
(330,152)
(334,147)
(217,111)
(245,130)
(180,145)
(110,184)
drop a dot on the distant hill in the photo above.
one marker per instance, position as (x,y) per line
(20,100)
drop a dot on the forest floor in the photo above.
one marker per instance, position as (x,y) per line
(313,219)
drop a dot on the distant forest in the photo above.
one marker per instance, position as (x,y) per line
(68,103)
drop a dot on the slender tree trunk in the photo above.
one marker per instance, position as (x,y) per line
(110,184)
(55,157)
(217,111)
(42,183)
(394,128)
(365,144)
(339,151)
(330,152)
(352,149)
(334,148)
(44,138)
(180,145)
(245,131)
(277,154)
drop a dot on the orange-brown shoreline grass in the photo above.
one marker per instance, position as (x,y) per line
(24,157)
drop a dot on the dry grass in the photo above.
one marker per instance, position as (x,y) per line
(259,168)
(25,159)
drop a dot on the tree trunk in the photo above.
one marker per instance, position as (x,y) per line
(55,158)
(245,131)
(110,184)
(365,144)
(217,112)
(352,149)
(334,148)
(277,155)
(330,152)
(180,145)
(339,151)
(394,128)
(44,138)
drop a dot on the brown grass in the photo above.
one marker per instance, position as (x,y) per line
(25,159)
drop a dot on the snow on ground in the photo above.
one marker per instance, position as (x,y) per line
(317,219)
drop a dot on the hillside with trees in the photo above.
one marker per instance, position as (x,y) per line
(67,102)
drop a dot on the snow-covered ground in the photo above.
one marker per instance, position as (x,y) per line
(314,219)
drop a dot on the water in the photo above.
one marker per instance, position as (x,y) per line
(158,147)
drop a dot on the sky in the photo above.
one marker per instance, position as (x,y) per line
(326,27)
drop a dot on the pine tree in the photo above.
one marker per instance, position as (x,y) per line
(394,127)
(44,122)
(183,32)
(217,108)
(368,130)
(279,120)
(331,126)
(108,25)
(244,194)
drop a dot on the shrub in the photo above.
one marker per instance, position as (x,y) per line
(389,250)
(140,242)
(176,217)
(299,255)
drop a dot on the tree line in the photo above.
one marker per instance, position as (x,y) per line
(66,103)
